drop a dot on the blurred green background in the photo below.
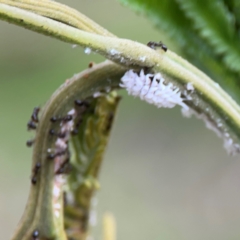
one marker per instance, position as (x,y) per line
(164,176)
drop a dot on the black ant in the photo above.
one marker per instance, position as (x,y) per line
(65,167)
(31,125)
(37,167)
(154,45)
(34,116)
(35,172)
(34,180)
(34,119)
(53,155)
(77,125)
(80,103)
(53,133)
(29,143)
(67,118)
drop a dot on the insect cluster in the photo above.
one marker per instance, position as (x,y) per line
(153,89)
(69,124)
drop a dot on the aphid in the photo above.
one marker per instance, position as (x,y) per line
(153,89)
(154,45)
(35,234)
(34,116)
(29,143)
(31,125)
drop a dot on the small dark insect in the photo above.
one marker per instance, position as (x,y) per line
(35,234)
(52,132)
(34,180)
(60,135)
(37,167)
(81,103)
(34,116)
(90,65)
(64,119)
(29,143)
(51,156)
(164,47)
(78,102)
(35,171)
(64,169)
(154,45)
(67,118)
(53,119)
(65,166)
(31,125)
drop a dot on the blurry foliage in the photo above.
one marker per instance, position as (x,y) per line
(207,33)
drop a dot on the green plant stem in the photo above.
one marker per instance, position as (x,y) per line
(61,13)
(130,54)
(39,213)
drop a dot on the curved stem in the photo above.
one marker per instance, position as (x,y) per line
(40,213)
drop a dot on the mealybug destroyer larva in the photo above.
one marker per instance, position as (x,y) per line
(153,89)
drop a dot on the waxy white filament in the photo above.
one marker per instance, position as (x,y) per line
(152,89)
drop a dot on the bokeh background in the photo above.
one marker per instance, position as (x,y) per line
(164,176)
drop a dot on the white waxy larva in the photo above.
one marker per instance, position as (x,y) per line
(152,89)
